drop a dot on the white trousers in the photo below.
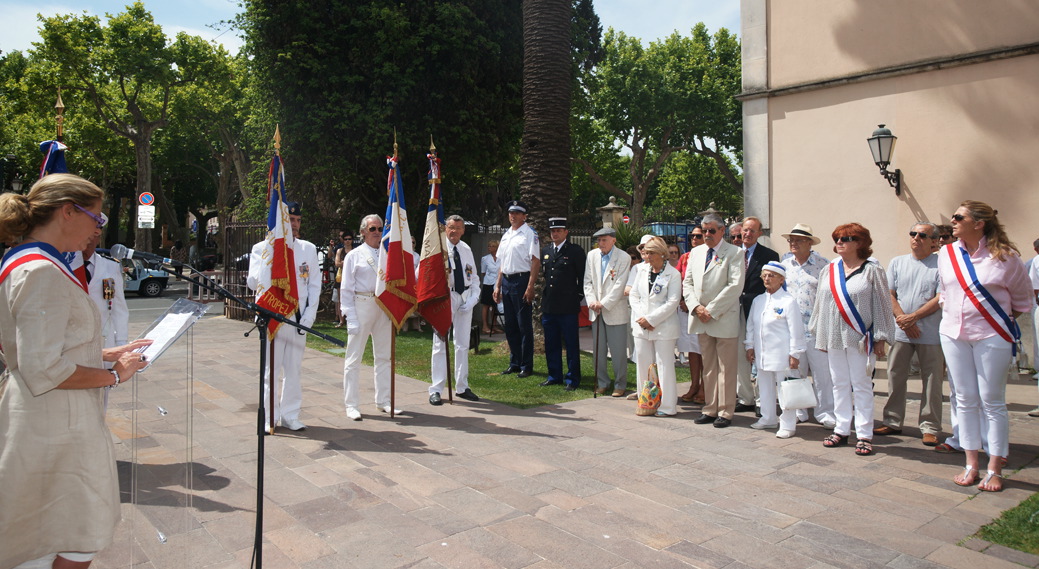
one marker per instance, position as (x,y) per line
(978,370)
(662,353)
(377,325)
(461,322)
(817,364)
(768,388)
(852,392)
(287,350)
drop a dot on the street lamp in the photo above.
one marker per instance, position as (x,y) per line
(882,144)
(16,185)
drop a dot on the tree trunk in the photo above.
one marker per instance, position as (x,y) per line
(142,145)
(547,84)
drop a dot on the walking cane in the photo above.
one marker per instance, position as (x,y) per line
(595,356)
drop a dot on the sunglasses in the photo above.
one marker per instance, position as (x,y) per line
(919,234)
(845,239)
(945,237)
(958,217)
(737,237)
(373,229)
(100,220)
(711,231)
(696,235)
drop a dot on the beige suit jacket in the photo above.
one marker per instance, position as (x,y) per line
(717,288)
(609,292)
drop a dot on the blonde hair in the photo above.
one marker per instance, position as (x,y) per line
(998,242)
(20,214)
(657,245)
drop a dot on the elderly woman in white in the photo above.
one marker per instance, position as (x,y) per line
(655,292)
(775,343)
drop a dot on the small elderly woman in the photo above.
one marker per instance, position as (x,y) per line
(655,292)
(775,343)
(852,318)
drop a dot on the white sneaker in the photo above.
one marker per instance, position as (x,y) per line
(829,423)
(292,424)
(784,434)
(353,413)
(759,425)
(1034,412)
(386,409)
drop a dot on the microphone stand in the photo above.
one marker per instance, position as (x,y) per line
(263,317)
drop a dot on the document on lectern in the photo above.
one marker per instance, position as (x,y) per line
(169,327)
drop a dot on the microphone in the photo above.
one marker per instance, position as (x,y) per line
(120,252)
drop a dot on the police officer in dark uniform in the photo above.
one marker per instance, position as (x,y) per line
(563,265)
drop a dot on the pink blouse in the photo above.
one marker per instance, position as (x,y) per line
(1007,281)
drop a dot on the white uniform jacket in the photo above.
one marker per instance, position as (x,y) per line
(658,303)
(717,288)
(115,316)
(610,292)
(775,331)
(471,295)
(308,277)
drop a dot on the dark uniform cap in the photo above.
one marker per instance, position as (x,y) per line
(294,208)
(516,205)
(557,223)
(605,232)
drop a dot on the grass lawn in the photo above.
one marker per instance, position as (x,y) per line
(485,367)
(1017,528)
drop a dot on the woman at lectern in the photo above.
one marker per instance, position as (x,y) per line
(60,500)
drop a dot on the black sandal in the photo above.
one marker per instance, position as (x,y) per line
(864,447)
(835,440)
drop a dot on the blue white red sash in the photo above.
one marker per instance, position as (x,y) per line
(36,251)
(850,314)
(981,298)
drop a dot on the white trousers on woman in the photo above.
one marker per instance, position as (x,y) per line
(979,372)
(662,353)
(852,392)
(768,386)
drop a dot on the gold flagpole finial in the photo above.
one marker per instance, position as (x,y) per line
(394,143)
(60,107)
(432,147)
(277,139)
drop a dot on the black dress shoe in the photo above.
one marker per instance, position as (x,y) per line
(434,399)
(524,373)
(721,423)
(571,387)
(510,369)
(468,395)
(757,411)
(703,419)
(741,408)
(548,382)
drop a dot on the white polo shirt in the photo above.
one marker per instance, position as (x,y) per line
(516,249)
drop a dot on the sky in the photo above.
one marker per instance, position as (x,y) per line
(645,19)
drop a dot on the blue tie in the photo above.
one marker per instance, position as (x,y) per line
(459,279)
(710,257)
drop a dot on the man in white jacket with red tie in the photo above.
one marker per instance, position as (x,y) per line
(465,293)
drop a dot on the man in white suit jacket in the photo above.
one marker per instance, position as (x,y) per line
(605,275)
(463,276)
(712,287)
(105,287)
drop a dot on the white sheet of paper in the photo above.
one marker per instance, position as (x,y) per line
(165,333)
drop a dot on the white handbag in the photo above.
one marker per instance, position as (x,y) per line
(796,393)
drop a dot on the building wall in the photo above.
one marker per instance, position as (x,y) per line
(817,39)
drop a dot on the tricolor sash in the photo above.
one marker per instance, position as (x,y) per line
(36,251)
(981,298)
(850,314)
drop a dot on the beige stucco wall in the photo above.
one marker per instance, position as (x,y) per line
(966,133)
(818,39)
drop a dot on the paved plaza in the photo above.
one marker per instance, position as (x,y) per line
(586,484)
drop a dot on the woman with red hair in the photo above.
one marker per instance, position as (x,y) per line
(851,320)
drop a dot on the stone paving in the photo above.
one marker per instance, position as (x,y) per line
(586,484)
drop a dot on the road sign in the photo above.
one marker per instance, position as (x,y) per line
(146,198)
(146,213)
(627,219)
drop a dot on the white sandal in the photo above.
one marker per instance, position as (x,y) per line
(989,475)
(967,475)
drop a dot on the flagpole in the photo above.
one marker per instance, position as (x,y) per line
(270,403)
(447,346)
(393,334)
(60,107)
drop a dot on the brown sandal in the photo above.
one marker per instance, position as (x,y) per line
(835,440)
(864,447)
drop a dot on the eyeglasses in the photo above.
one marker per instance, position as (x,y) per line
(711,231)
(696,235)
(100,220)
(919,234)
(845,239)
(737,237)
(796,240)
(958,217)
(373,229)
(944,237)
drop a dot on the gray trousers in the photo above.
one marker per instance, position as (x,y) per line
(746,389)
(932,371)
(615,339)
